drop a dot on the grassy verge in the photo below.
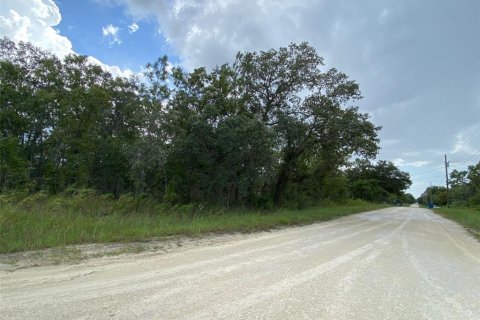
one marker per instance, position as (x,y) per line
(467,217)
(40,221)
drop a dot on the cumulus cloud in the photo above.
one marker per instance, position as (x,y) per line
(133,28)
(211,32)
(115,70)
(35,21)
(419,75)
(110,32)
(403,54)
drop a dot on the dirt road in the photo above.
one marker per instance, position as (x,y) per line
(399,263)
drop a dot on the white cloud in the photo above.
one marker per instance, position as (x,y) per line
(111,33)
(210,33)
(418,74)
(35,21)
(399,162)
(133,28)
(115,70)
(419,163)
(463,140)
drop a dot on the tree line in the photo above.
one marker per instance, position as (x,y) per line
(464,189)
(271,128)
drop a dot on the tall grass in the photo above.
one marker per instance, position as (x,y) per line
(41,221)
(467,217)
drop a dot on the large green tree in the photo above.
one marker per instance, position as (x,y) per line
(70,119)
(307,110)
(271,128)
(474,183)
(381,181)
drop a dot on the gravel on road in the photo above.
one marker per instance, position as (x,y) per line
(394,263)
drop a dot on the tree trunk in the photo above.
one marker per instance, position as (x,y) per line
(281,183)
(290,159)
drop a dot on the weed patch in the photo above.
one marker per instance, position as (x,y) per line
(39,221)
(467,217)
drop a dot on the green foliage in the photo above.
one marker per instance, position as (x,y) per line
(368,190)
(41,221)
(13,167)
(306,110)
(464,189)
(380,182)
(407,198)
(458,178)
(467,217)
(474,184)
(434,195)
(272,128)
(335,188)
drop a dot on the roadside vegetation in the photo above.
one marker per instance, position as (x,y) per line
(271,129)
(40,221)
(464,190)
(463,198)
(86,156)
(467,217)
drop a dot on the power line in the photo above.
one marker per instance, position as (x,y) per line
(431,175)
(471,136)
(476,160)
(425,172)
(474,154)
(465,142)
(429,178)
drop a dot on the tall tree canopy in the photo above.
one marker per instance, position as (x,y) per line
(239,134)
(306,109)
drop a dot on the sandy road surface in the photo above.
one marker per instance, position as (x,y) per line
(400,263)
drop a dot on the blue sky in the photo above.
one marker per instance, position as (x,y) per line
(83,22)
(416,61)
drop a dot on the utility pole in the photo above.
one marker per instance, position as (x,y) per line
(446,176)
(431,196)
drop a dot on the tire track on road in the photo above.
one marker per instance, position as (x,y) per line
(236,307)
(148,280)
(441,292)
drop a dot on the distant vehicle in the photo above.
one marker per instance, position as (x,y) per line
(435,207)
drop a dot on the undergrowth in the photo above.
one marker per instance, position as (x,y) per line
(469,217)
(41,221)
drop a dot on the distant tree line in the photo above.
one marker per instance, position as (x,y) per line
(464,189)
(269,129)
(380,182)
